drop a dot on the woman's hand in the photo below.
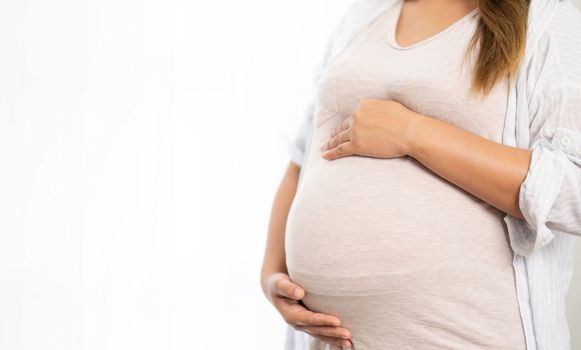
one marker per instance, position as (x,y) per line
(286,295)
(378,128)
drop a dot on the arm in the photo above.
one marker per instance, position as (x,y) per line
(541,185)
(539,188)
(284,294)
(487,169)
(274,255)
(550,195)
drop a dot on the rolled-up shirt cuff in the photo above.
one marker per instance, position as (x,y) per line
(538,193)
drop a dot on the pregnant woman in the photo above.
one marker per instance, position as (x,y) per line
(434,190)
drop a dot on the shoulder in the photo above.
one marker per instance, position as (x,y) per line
(554,73)
(357,15)
(564,33)
(567,17)
(358,11)
(556,59)
(363,5)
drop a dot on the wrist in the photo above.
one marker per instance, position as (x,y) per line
(411,135)
(265,277)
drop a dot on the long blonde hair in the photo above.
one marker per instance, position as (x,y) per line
(501,35)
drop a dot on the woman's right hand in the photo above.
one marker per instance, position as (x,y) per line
(285,295)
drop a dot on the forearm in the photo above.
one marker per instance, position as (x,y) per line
(487,169)
(274,255)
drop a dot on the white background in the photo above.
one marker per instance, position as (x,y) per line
(141,143)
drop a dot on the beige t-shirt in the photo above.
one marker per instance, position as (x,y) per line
(406,259)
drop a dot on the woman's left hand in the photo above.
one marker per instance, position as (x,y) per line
(378,128)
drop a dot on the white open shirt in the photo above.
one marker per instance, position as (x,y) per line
(544,115)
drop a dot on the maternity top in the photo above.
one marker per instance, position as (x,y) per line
(406,259)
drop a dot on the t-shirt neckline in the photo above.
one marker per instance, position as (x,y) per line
(394,18)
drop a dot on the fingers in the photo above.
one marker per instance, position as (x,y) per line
(328,331)
(287,295)
(345,125)
(339,343)
(297,315)
(342,136)
(286,288)
(341,150)
(340,143)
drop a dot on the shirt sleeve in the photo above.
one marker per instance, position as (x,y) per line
(550,195)
(297,146)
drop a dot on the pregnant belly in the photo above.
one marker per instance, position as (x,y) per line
(401,256)
(359,215)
